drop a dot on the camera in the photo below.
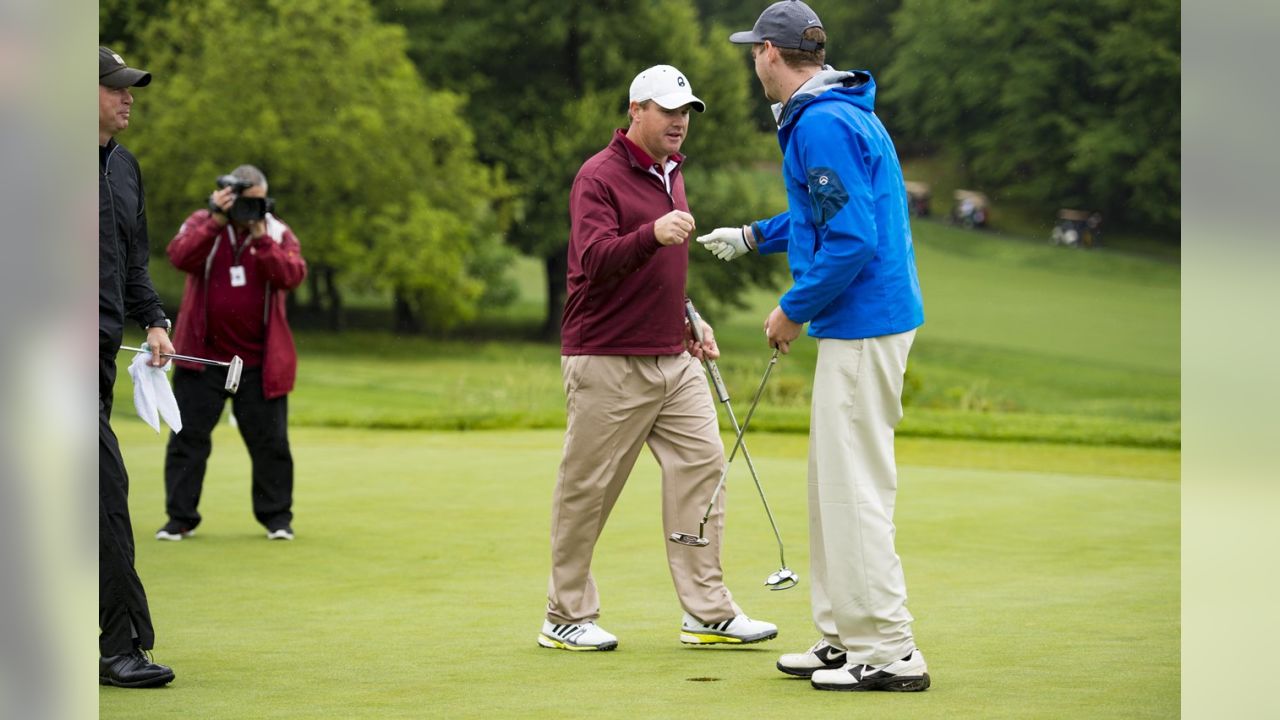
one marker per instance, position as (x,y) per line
(236,184)
(250,209)
(245,209)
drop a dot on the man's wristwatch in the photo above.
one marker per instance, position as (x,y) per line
(163,322)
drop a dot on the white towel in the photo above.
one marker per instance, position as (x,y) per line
(152,395)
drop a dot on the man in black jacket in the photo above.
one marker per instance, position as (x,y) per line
(124,291)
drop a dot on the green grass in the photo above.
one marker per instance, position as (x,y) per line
(1044,579)
(1021,342)
(1038,520)
(1027,221)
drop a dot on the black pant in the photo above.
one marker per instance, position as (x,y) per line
(263,425)
(124,620)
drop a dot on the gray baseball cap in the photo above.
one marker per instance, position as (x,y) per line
(783,24)
(112,71)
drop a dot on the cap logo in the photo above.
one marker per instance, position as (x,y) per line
(823,180)
(118,58)
(680,81)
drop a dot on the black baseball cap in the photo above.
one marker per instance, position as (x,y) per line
(112,71)
(783,24)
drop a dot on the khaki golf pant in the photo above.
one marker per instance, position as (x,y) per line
(616,404)
(858,590)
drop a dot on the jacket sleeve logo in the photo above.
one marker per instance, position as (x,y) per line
(827,195)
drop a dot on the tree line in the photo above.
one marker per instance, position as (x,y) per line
(416,145)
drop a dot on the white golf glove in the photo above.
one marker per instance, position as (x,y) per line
(726,243)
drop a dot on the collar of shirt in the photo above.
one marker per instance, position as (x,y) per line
(641,158)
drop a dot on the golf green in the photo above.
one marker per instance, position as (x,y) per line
(1044,580)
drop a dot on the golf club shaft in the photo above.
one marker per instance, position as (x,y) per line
(741,442)
(187,358)
(695,329)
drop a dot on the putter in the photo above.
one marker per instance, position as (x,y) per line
(784,578)
(234,368)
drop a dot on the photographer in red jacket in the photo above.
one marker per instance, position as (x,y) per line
(241,261)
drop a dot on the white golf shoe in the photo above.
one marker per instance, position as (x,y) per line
(576,636)
(822,656)
(738,630)
(910,674)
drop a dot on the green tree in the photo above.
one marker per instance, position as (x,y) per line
(377,174)
(859,33)
(859,37)
(121,21)
(548,84)
(1131,153)
(1049,103)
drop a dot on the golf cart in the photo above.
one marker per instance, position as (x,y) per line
(918,196)
(1077,228)
(971,209)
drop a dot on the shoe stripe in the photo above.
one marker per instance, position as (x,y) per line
(703,638)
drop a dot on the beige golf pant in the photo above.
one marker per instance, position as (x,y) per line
(615,404)
(858,589)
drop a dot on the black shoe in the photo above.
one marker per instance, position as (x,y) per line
(174,531)
(132,670)
(280,533)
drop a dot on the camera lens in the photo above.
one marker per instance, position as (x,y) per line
(248,209)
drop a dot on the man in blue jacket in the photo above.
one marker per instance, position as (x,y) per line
(848,243)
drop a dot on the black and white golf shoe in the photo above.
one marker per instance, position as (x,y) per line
(910,674)
(576,636)
(174,531)
(822,656)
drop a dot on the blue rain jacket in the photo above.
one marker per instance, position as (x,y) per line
(846,231)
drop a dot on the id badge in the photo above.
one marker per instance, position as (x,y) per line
(237,276)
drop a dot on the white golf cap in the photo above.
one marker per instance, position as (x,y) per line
(666,86)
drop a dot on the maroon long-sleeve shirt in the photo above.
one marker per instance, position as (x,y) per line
(218,319)
(625,289)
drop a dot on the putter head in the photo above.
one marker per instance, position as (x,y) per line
(233,374)
(784,579)
(688,539)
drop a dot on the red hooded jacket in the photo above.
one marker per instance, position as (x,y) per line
(279,261)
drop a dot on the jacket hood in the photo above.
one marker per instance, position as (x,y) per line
(856,87)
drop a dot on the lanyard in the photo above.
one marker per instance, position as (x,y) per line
(237,251)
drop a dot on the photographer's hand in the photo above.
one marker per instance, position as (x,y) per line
(257,228)
(220,202)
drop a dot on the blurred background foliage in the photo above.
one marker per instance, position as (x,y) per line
(419,146)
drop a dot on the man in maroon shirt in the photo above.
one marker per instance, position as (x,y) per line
(241,261)
(632,375)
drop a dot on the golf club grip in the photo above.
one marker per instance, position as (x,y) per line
(695,324)
(721,391)
(695,328)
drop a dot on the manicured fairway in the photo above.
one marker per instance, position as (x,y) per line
(1022,341)
(1044,579)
